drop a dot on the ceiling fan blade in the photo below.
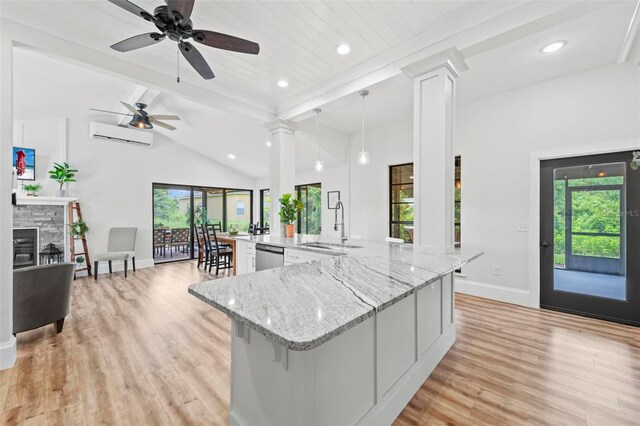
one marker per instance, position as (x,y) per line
(130,108)
(196,60)
(136,42)
(180,9)
(164,117)
(130,7)
(110,112)
(227,42)
(161,124)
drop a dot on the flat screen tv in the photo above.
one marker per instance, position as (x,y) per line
(24,163)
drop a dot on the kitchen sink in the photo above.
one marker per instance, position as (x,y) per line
(328,246)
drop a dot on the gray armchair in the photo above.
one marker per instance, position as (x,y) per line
(41,296)
(121,246)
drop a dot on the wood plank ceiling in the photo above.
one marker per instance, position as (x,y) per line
(297,39)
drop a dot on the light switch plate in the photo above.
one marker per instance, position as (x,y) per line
(523,227)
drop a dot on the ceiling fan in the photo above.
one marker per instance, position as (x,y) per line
(173,21)
(141,119)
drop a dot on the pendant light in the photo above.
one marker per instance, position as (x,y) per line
(319,165)
(363,156)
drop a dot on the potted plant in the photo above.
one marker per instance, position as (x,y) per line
(62,173)
(79,228)
(79,260)
(32,189)
(289,208)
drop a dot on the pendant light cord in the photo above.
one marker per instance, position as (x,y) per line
(363,93)
(363,111)
(317,111)
(178,63)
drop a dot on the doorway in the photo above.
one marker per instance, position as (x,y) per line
(178,208)
(590,236)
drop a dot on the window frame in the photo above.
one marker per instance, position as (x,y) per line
(203,190)
(392,203)
(298,191)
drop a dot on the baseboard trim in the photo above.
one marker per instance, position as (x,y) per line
(491,291)
(8,353)
(118,266)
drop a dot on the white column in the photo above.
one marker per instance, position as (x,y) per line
(433,162)
(281,167)
(7,341)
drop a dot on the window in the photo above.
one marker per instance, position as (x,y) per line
(401,201)
(457,201)
(310,218)
(265,208)
(237,215)
(240,208)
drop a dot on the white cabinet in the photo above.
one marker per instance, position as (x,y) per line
(250,257)
(245,257)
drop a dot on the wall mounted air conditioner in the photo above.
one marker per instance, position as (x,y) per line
(120,134)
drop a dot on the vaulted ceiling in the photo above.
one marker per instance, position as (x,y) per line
(297,38)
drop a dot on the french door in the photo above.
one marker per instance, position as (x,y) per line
(590,236)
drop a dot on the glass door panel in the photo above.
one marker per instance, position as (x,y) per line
(171,223)
(587,225)
(215,206)
(238,210)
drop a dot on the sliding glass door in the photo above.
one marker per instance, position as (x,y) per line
(172,222)
(177,208)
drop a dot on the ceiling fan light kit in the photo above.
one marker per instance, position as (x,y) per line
(140,119)
(174,21)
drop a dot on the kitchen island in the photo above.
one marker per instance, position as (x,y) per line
(347,338)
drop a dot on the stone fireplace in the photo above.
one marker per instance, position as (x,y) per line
(42,223)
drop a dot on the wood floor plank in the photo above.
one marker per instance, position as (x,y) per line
(141,351)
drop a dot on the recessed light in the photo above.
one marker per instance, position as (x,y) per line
(231,156)
(554,47)
(268,143)
(283,83)
(343,49)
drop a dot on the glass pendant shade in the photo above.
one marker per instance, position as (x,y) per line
(319,165)
(363,158)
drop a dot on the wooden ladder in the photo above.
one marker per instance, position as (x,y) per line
(75,205)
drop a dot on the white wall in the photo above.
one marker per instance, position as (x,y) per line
(48,138)
(495,136)
(115,182)
(387,145)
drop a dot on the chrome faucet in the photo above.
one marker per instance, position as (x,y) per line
(340,206)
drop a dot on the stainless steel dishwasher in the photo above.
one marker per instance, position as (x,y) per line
(269,257)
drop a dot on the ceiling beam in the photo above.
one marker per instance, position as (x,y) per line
(484,28)
(631,35)
(141,94)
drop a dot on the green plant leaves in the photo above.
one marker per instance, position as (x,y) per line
(289,208)
(62,173)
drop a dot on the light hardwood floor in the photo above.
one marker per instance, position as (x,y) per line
(143,351)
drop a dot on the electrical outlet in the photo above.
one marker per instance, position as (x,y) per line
(523,227)
(497,270)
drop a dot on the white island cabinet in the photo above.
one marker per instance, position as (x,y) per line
(342,340)
(245,257)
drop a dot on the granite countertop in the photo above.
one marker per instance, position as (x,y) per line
(304,305)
